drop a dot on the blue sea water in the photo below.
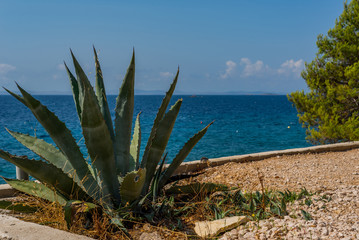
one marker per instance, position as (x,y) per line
(243,124)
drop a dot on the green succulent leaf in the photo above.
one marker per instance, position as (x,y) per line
(18,97)
(36,189)
(135,145)
(47,152)
(81,77)
(182,154)
(97,138)
(99,145)
(160,141)
(101,96)
(123,120)
(161,112)
(61,135)
(94,173)
(46,173)
(132,185)
(76,91)
(156,179)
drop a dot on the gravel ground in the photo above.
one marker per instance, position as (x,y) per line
(335,216)
(313,171)
(334,176)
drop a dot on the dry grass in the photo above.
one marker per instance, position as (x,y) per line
(52,214)
(174,217)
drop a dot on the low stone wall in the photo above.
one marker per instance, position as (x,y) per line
(198,165)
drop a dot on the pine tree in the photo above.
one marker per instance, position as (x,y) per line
(330,111)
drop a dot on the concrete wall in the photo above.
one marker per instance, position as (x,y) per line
(194,166)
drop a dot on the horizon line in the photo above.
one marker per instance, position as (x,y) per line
(158,92)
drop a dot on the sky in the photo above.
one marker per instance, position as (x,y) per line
(220,46)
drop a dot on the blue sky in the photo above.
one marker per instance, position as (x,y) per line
(220,46)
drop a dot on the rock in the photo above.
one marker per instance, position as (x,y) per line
(4,236)
(262,236)
(212,228)
(150,236)
(325,231)
(249,235)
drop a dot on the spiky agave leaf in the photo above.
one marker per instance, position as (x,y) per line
(182,154)
(61,135)
(135,145)
(48,152)
(36,189)
(132,185)
(76,91)
(80,78)
(101,96)
(156,179)
(123,120)
(18,97)
(46,173)
(100,149)
(160,141)
(161,112)
(98,140)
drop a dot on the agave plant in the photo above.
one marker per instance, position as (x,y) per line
(115,176)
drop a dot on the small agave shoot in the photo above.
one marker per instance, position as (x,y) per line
(115,177)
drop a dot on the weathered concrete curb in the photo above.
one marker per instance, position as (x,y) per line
(12,228)
(198,165)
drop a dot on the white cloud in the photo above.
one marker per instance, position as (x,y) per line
(231,66)
(251,69)
(166,74)
(5,68)
(260,69)
(61,66)
(291,66)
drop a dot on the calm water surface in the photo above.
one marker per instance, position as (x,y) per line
(243,124)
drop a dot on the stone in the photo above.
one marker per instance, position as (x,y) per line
(249,235)
(213,228)
(150,236)
(262,236)
(325,231)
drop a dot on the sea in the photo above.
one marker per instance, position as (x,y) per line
(242,124)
